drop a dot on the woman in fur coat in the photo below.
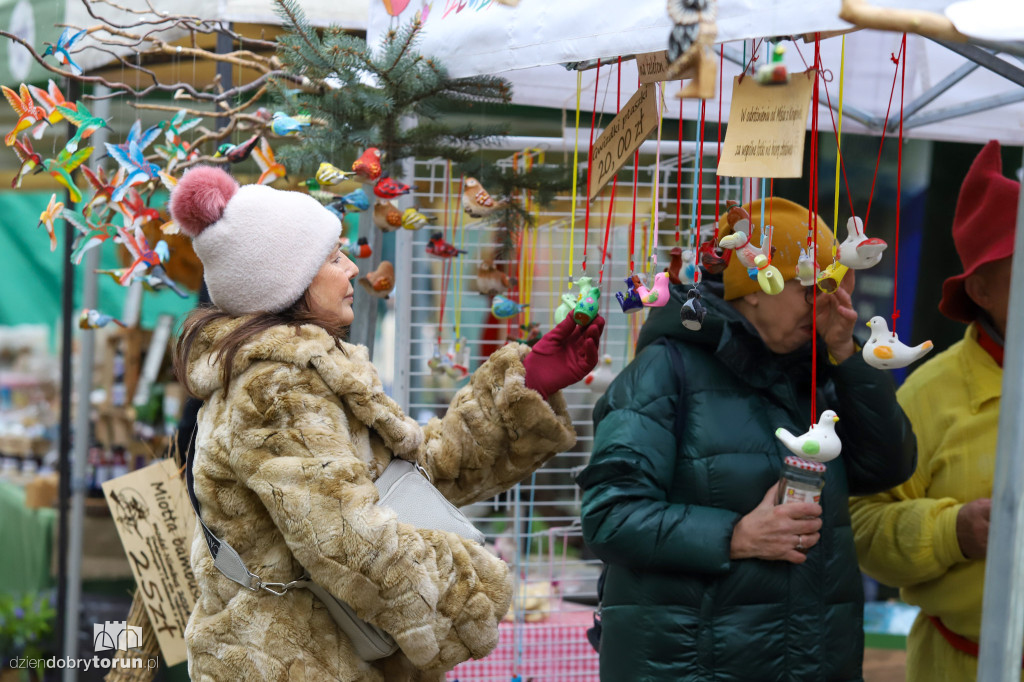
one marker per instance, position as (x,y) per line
(294,430)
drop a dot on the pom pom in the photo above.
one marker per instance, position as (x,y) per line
(200,197)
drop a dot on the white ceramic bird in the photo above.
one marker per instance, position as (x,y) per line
(805,269)
(601,378)
(859,251)
(884,349)
(820,443)
(739,242)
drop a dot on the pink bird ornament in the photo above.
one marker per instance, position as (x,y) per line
(657,295)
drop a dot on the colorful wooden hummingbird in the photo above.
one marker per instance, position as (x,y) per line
(285,125)
(329,175)
(134,209)
(85,123)
(62,50)
(237,153)
(50,99)
(270,169)
(90,234)
(103,188)
(386,188)
(49,215)
(29,113)
(142,139)
(157,279)
(437,246)
(30,161)
(63,166)
(143,256)
(137,169)
(94,319)
(503,308)
(367,166)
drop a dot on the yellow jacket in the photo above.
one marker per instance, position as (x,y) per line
(906,537)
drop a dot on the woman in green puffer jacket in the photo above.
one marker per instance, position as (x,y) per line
(707,579)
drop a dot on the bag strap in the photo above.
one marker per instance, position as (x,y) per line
(225,558)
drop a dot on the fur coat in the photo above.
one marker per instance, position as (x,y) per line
(284,471)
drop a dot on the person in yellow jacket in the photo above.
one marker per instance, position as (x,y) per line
(929,536)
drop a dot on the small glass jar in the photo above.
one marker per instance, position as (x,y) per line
(801,481)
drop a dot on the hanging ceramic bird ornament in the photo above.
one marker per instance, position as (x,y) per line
(630,300)
(859,251)
(805,269)
(386,216)
(367,166)
(587,304)
(566,307)
(386,188)
(413,219)
(458,358)
(713,259)
(476,201)
(381,281)
(656,296)
(690,272)
(490,280)
(285,125)
(675,265)
(693,312)
(819,444)
(328,175)
(739,241)
(768,276)
(884,349)
(774,72)
(831,277)
(601,378)
(437,246)
(361,249)
(94,319)
(504,308)
(237,153)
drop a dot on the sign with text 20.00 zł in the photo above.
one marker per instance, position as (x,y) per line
(622,137)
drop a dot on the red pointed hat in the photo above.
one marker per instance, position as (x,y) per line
(983,227)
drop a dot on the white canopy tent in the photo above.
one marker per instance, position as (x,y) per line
(526,43)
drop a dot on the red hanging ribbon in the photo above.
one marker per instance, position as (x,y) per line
(899,178)
(615,181)
(590,166)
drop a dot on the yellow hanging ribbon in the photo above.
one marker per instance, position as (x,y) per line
(839,137)
(575,176)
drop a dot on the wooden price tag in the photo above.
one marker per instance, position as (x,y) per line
(767,125)
(155,521)
(652,67)
(623,136)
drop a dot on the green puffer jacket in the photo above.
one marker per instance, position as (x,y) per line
(661,511)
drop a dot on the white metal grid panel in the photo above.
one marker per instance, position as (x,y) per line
(535,526)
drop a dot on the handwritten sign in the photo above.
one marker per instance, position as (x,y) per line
(155,522)
(623,136)
(652,67)
(767,124)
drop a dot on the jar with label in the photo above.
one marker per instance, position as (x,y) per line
(801,481)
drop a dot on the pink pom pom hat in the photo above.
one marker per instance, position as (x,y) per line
(261,247)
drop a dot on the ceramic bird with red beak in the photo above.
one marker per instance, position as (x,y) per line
(367,167)
(858,251)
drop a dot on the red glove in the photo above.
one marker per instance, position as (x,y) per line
(563,356)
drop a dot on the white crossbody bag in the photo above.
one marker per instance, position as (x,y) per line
(403,487)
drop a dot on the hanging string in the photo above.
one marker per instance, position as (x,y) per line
(899,192)
(679,170)
(839,152)
(575,176)
(700,189)
(459,284)
(445,270)
(657,177)
(813,223)
(839,137)
(897,60)
(718,155)
(590,168)
(615,185)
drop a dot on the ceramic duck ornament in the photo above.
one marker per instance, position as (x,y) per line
(630,301)
(504,308)
(491,281)
(381,281)
(884,349)
(657,295)
(693,311)
(805,269)
(819,444)
(386,216)
(859,251)
(768,276)
(601,378)
(587,303)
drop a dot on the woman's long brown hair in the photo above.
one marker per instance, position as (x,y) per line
(298,314)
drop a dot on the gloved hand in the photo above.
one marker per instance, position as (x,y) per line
(563,356)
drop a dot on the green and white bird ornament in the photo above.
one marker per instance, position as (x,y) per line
(819,444)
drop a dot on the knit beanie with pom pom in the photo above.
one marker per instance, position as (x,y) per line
(261,247)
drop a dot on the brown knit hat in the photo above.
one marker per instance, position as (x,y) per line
(790,222)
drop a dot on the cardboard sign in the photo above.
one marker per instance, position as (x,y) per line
(623,136)
(767,125)
(155,521)
(652,67)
